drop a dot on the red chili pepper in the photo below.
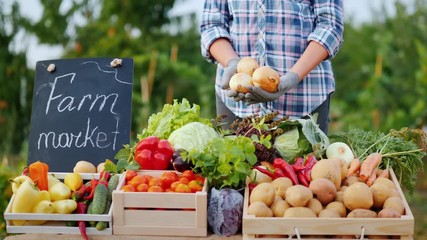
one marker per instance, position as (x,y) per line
(79,193)
(309,163)
(298,165)
(265,171)
(251,187)
(82,209)
(93,183)
(104,176)
(26,171)
(302,179)
(287,169)
(153,153)
(278,172)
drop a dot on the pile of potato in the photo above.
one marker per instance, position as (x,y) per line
(331,194)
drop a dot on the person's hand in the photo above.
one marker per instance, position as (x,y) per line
(258,95)
(229,71)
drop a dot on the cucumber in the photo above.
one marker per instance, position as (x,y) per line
(112,185)
(100,198)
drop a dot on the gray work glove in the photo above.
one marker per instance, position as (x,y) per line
(229,71)
(257,95)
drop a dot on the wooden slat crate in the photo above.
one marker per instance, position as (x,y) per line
(307,228)
(56,223)
(159,213)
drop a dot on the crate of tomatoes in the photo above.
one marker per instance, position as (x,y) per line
(156,202)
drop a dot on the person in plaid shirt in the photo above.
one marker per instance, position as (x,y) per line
(297,38)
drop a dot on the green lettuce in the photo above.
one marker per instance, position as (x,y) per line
(172,117)
(192,137)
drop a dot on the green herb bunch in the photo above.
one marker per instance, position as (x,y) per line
(402,150)
(225,162)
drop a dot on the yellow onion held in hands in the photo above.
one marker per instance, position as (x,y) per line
(266,78)
(240,81)
(247,65)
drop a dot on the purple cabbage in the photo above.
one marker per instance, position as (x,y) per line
(225,211)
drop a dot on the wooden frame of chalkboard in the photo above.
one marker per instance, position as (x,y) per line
(81,110)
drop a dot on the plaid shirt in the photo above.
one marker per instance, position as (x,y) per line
(290,25)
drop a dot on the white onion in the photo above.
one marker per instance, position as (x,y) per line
(339,150)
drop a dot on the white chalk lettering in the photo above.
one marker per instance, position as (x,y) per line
(71,103)
(93,137)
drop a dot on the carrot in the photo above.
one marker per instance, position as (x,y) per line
(371,179)
(354,167)
(385,173)
(369,165)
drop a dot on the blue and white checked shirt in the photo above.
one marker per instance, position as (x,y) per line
(289,26)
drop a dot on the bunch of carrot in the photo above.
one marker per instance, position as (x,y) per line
(368,170)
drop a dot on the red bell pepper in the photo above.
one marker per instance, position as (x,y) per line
(153,153)
(93,183)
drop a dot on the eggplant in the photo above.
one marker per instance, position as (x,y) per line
(179,161)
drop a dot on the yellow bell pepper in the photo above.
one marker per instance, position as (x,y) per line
(74,181)
(44,195)
(17,181)
(24,200)
(44,206)
(59,191)
(66,206)
(52,180)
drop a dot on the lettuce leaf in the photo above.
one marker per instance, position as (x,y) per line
(172,117)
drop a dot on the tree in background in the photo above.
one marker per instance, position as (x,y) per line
(381,72)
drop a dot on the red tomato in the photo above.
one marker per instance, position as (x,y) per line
(143,187)
(173,185)
(199,179)
(128,188)
(188,174)
(183,188)
(168,178)
(195,186)
(138,179)
(184,180)
(155,189)
(130,174)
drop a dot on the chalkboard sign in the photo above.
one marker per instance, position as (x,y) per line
(81,111)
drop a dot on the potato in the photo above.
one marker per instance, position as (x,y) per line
(394,193)
(299,212)
(339,207)
(329,169)
(329,213)
(395,203)
(280,185)
(358,195)
(362,213)
(259,209)
(298,195)
(389,213)
(343,166)
(340,196)
(324,190)
(380,192)
(342,188)
(350,180)
(263,192)
(279,208)
(315,205)
(387,182)
(84,167)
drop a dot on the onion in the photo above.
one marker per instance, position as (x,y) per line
(340,150)
(240,81)
(247,65)
(266,78)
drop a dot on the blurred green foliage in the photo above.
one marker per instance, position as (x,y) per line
(381,70)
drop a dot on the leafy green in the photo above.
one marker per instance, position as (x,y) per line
(225,162)
(192,136)
(172,117)
(401,154)
(308,138)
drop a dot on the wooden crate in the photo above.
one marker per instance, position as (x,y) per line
(56,222)
(159,213)
(280,228)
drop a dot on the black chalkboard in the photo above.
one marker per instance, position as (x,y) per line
(81,111)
